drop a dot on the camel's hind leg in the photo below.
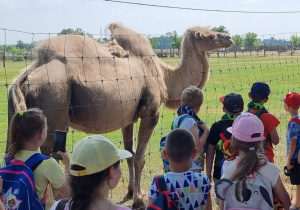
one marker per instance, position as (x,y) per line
(128,145)
(149,119)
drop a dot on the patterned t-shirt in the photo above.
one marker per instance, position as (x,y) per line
(293,132)
(188,189)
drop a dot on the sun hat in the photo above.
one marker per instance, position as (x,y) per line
(292,99)
(260,91)
(95,153)
(233,102)
(247,127)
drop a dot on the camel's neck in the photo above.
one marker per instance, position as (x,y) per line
(193,71)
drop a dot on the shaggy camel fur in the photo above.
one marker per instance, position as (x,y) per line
(99,88)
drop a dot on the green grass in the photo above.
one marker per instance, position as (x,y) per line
(228,74)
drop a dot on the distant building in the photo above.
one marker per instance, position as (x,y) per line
(164,42)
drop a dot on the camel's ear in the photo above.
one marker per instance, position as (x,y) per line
(112,26)
(198,35)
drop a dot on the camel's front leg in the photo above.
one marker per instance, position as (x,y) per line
(128,145)
(149,120)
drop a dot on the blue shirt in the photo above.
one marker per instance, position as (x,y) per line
(293,132)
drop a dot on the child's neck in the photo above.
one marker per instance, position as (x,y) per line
(293,112)
(31,146)
(180,167)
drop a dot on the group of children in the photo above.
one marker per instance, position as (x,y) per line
(239,147)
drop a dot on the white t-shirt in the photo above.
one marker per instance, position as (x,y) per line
(269,171)
(198,161)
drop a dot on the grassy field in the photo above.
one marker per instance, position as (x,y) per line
(228,74)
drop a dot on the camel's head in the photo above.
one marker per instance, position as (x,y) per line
(205,40)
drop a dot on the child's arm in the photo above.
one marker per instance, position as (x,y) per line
(150,200)
(221,204)
(282,194)
(274,136)
(208,205)
(209,159)
(205,134)
(292,149)
(64,190)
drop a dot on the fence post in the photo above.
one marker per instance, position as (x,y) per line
(3,58)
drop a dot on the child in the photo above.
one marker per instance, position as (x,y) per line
(191,101)
(189,189)
(95,169)
(28,132)
(259,95)
(291,105)
(247,134)
(233,105)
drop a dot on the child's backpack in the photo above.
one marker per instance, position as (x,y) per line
(164,200)
(18,190)
(163,141)
(296,120)
(258,194)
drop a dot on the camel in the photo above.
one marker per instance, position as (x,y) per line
(99,88)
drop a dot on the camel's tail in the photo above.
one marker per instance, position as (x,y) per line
(16,98)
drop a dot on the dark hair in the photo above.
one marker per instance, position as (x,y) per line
(248,164)
(84,188)
(180,144)
(24,127)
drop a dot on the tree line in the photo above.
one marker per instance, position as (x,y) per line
(249,39)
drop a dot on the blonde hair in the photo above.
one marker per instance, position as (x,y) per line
(192,97)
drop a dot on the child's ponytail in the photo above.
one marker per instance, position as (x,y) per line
(24,126)
(247,165)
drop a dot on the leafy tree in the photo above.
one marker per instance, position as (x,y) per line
(77,31)
(221,29)
(154,42)
(105,40)
(20,44)
(250,39)
(295,39)
(238,40)
(176,40)
(17,51)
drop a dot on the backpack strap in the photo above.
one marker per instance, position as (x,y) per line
(180,121)
(161,183)
(62,203)
(35,160)
(296,120)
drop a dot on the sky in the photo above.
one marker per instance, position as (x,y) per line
(32,17)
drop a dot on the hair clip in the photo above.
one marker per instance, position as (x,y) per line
(251,148)
(21,113)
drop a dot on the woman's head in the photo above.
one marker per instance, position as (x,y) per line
(95,163)
(24,127)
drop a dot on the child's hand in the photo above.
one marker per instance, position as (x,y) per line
(288,164)
(65,157)
(203,126)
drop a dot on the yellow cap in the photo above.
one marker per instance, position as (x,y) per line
(96,153)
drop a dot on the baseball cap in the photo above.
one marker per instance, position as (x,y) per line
(233,102)
(95,153)
(260,91)
(292,99)
(247,127)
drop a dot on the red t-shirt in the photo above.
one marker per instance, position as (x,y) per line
(270,122)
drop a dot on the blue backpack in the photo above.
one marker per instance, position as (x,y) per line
(164,200)
(18,191)
(163,141)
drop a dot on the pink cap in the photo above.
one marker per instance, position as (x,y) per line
(247,127)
